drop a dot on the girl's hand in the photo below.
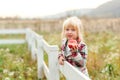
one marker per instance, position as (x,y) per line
(73,45)
(61,60)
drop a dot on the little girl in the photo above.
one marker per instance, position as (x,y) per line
(73,49)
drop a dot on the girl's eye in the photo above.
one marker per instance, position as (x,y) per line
(67,29)
(73,29)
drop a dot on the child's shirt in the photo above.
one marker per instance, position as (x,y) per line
(78,58)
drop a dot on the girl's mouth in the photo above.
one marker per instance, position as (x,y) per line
(70,36)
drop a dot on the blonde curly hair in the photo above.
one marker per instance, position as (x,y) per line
(73,22)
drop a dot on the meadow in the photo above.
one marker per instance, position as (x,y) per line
(103,53)
(16,63)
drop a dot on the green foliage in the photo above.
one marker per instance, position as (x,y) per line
(12,36)
(16,63)
(103,58)
(104,52)
(104,55)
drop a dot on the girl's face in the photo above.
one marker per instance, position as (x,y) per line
(70,33)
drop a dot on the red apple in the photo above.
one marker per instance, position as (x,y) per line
(72,43)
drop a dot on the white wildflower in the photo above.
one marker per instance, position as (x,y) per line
(1,49)
(5,71)
(11,73)
(7,50)
(7,78)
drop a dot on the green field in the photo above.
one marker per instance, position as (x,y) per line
(16,63)
(104,54)
(103,58)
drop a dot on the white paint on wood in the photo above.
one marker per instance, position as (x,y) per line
(40,59)
(52,70)
(71,73)
(53,63)
(46,70)
(37,45)
(12,31)
(12,41)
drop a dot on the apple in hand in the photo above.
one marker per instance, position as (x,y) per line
(72,43)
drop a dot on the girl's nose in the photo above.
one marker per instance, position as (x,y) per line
(69,31)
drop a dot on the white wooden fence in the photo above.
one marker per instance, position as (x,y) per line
(12,31)
(37,45)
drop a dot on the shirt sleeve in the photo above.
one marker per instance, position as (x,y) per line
(81,57)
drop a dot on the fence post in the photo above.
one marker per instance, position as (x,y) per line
(33,48)
(53,63)
(40,58)
(28,38)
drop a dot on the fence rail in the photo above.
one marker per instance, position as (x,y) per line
(37,46)
(11,32)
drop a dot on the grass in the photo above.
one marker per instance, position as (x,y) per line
(16,63)
(12,36)
(103,54)
(102,63)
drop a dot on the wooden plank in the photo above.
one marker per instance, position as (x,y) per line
(46,70)
(12,41)
(71,73)
(12,31)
